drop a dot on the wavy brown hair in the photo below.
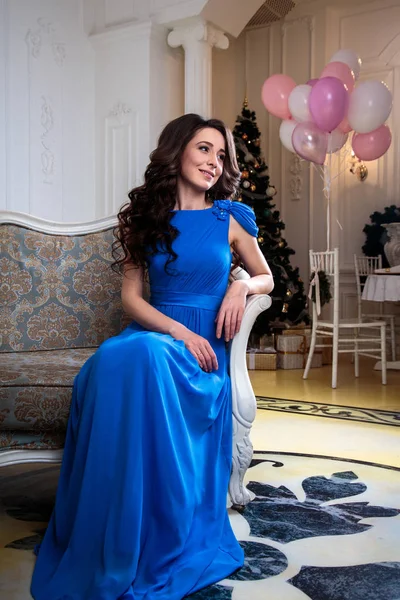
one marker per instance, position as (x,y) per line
(144,222)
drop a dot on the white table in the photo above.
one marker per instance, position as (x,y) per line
(383,288)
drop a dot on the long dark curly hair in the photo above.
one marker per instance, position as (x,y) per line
(144,223)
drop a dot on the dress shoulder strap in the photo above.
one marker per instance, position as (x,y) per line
(243,214)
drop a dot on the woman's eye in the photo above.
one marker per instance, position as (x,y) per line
(204,148)
(222,157)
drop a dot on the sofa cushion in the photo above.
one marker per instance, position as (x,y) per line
(49,368)
(36,388)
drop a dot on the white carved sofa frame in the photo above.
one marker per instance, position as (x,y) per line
(243,398)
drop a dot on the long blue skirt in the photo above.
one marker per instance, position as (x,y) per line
(141,504)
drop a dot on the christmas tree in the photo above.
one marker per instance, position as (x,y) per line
(288,298)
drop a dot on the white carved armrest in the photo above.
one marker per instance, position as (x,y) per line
(243,399)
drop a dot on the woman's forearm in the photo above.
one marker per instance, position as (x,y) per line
(150,318)
(259,284)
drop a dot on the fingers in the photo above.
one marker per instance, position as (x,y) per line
(205,355)
(209,357)
(229,321)
(220,323)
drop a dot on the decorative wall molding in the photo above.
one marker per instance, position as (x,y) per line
(128,32)
(307,19)
(119,111)
(121,155)
(35,38)
(295,181)
(47,156)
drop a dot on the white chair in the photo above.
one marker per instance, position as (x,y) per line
(329,263)
(364,266)
(82,245)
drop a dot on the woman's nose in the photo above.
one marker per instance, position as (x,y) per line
(212,160)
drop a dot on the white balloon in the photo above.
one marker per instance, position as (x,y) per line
(298,103)
(336,140)
(285,133)
(349,58)
(370,105)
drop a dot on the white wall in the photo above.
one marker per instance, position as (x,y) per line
(46,110)
(300,47)
(139,88)
(80,113)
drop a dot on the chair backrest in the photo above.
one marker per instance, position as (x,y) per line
(328,262)
(364,266)
(59,290)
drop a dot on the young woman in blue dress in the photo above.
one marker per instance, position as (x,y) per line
(140,511)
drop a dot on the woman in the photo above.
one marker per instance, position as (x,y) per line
(141,504)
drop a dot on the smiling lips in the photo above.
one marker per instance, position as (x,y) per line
(207,174)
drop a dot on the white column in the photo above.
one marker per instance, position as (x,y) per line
(198,38)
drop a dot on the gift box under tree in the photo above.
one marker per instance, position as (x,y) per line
(264,359)
(292,349)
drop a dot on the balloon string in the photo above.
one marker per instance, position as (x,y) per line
(319,170)
(328,186)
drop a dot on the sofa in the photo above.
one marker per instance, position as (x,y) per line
(59,300)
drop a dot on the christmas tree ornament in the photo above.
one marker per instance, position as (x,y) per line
(246,184)
(288,293)
(285,307)
(281,244)
(245,174)
(253,187)
(245,136)
(260,240)
(271,191)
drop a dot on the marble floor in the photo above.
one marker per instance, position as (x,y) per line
(325,521)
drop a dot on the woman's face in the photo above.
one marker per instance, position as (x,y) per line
(203,159)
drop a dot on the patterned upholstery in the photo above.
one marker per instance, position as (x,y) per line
(59,300)
(57,291)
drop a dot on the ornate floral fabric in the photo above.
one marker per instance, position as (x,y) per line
(54,368)
(57,291)
(35,409)
(27,440)
(36,390)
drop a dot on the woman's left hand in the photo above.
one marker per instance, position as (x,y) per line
(231,311)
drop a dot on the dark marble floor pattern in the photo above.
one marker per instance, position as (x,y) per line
(331,411)
(333,502)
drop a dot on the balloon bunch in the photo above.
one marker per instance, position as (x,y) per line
(319,115)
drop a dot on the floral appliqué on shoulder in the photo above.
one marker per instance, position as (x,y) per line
(222,208)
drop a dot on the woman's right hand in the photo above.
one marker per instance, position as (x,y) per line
(200,348)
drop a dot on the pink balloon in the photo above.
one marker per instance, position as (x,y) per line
(310,142)
(275,94)
(312,82)
(328,103)
(373,145)
(340,71)
(345,126)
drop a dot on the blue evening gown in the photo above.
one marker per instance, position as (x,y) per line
(140,510)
